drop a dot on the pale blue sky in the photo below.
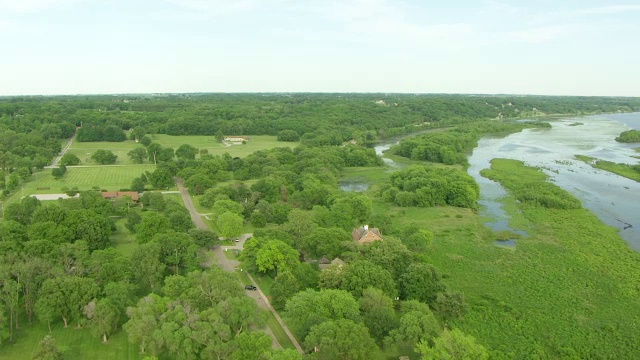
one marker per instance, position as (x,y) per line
(558,47)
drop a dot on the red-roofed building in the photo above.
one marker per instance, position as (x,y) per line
(365,235)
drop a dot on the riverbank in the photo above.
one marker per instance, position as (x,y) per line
(621,169)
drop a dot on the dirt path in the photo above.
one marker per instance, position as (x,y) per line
(231,265)
(64,151)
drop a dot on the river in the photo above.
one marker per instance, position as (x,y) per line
(614,199)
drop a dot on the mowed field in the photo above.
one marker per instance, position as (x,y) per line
(84,150)
(110,178)
(75,344)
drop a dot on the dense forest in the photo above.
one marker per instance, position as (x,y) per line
(406,295)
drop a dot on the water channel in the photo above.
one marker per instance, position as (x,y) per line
(614,199)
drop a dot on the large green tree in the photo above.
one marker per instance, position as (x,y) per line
(310,307)
(104,157)
(453,345)
(340,339)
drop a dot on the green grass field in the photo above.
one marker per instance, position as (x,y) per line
(257,142)
(76,344)
(84,150)
(110,178)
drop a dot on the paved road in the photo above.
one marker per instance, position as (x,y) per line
(232,265)
(64,151)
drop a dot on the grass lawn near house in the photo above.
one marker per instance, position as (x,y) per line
(111,178)
(75,344)
(123,240)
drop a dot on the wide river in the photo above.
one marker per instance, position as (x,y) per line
(614,199)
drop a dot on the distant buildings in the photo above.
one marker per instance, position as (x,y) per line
(236,139)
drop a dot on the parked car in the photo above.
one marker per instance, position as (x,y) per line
(250,287)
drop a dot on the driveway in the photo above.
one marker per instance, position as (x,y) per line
(232,265)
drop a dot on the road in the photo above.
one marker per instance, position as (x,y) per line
(64,151)
(231,266)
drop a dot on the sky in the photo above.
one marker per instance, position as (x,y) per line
(560,47)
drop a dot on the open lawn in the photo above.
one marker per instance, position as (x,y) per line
(122,239)
(257,142)
(112,178)
(75,344)
(84,150)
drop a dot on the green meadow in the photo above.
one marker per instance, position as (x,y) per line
(84,150)
(568,290)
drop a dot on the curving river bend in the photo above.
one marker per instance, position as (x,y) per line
(614,199)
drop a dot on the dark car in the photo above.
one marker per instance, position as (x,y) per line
(250,287)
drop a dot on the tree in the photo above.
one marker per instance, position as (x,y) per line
(204,238)
(284,287)
(152,223)
(161,178)
(416,323)
(178,251)
(104,157)
(65,297)
(47,350)
(453,345)
(199,183)
(145,321)
(327,242)
(59,172)
(146,267)
(103,316)
(138,185)
(10,295)
(421,282)
(340,339)
(363,274)
(146,140)
(186,152)
(108,265)
(89,226)
(310,307)
(230,225)
(255,345)
(377,312)
(288,135)
(69,159)
(219,135)
(277,256)
(137,155)
(450,305)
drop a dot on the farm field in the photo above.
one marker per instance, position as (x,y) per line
(84,150)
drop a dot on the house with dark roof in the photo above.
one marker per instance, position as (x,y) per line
(365,235)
